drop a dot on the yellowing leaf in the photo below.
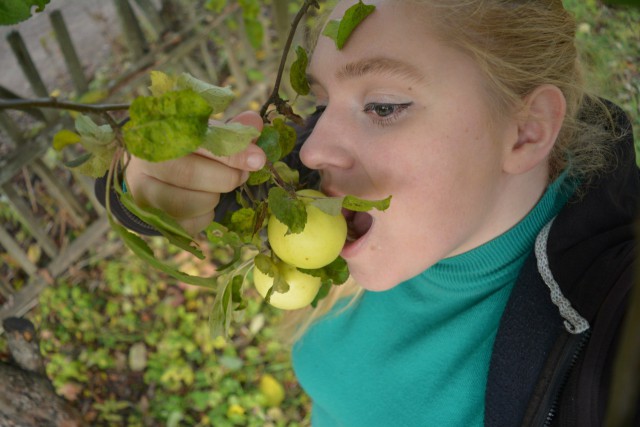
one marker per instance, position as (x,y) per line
(272,390)
(93,96)
(235,410)
(63,138)
(166,127)
(161,83)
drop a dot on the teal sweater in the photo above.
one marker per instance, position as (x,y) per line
(418,354)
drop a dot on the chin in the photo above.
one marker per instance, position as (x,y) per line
(373,282)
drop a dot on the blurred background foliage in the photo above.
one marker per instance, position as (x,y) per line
(130,346)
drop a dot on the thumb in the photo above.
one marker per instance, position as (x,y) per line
(249,118)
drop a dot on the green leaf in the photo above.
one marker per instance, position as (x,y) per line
(166,127)
(339,31)
(286,136)
(242,221)
(215,6)
(361,205)
(161,221)
(288,210)
(63,138)
(259,177)
(74,163)
(220,236)
(329,205)
(220,319)
(322,293)
(288,175)
(14,11)
(228,138)
(265,264)
(94,164)
(337,272)
(331,30)
(279,284)
(217,97)
(298,72)
(93,136)
(268,141)
(141,249)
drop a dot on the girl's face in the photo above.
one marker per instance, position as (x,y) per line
(407,116)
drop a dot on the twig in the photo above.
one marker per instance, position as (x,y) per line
(274,98)
(23,104)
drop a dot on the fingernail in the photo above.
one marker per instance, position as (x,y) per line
(255,161)
(244,176)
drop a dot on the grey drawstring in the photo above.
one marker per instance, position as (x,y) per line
(573,322)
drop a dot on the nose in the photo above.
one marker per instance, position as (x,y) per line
(328,146)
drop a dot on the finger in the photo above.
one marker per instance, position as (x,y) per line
(249,118)
(177,202)
(252,158)
(196,173)
(196,224)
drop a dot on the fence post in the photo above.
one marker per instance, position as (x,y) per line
(131,28)
(68,51)
(29,69)
(152,14)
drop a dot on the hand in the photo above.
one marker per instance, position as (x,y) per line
(189,188)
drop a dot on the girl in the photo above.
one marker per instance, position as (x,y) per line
(491,291)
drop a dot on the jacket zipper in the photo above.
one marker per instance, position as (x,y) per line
(553,407)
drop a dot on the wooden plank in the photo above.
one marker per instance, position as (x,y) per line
(69,52)
(27,297)
(134,37)
(12,164)
(152,14)
(11,129)
(16,252)
(29,68)
(29,221)
(61,193)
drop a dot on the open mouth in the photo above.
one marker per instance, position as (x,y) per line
(358,224)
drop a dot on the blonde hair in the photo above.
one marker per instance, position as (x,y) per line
(519,45)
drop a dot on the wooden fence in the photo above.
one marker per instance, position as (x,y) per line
(55,208)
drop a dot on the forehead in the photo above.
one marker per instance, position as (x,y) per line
(396,30)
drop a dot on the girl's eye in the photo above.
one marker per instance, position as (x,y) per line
(385,113)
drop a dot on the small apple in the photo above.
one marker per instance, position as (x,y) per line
(317,245)
(303,287)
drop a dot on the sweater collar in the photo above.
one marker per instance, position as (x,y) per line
(497,262)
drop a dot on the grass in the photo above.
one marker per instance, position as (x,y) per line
(609,41)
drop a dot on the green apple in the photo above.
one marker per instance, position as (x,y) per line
(317,245)
(303,287)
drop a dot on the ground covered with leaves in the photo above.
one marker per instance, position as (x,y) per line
(131,347)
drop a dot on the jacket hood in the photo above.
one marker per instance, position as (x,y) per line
(593,236)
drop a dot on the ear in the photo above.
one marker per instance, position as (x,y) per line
(539,123)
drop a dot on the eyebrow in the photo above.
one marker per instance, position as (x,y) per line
(376,65)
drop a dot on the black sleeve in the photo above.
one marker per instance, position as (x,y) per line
(308,178)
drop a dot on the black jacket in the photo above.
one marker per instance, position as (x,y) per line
(540,372)
(545,369)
